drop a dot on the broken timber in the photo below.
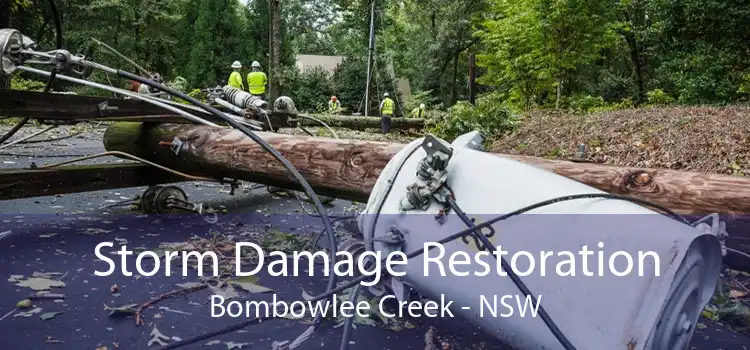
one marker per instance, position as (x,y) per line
(50,106)
(349,168)
(362,123)
(24,183)
(64,107)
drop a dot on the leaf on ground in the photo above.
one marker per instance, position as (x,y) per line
(737,294)
(121,310)
(232,345)
(49,315)
(700,325)
(157,338)
(91,231)
(188,285)
(26,303)
(212,343)
(15,278)
(29,313)
(51,275)
(103,347)
(48,235)
(248,283)
(227,291)
(40,283)
(50,340)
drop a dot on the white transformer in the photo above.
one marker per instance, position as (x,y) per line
(656,306)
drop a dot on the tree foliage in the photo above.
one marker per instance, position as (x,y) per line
(530,53)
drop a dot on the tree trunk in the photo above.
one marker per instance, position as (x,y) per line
(635,58)
(5,23)
(275,20)
(454,93)
(349,168)
(472,85)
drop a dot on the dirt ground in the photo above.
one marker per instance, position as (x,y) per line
(703,139)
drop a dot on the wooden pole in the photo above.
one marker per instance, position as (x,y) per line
(349,168)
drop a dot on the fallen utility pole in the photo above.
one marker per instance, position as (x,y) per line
(362,123)
(348,169)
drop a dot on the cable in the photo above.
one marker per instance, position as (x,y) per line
(135,95)
(41,155)
(513,277)
(349,321)
(132,157)
(48,86)
(285,162)
(348,325)
(444,240)
(319,122)
(58,24)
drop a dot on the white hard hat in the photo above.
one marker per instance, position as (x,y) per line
(385,94)
(236,65)
(256,64)
(421,105)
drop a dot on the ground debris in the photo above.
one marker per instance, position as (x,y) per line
(121,310)
(667,138)
(40,283)
(49,315)
(158,338)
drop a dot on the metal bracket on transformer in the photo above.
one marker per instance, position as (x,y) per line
(712,224)
(432,175)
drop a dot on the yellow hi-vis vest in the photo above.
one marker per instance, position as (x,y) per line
(256,82)
(387,108)
(235,80)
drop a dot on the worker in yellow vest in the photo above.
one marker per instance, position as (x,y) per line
(334,105)
(386,113)
(257,80)
(418,112)
(235,79)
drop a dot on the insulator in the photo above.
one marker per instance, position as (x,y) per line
(243,99)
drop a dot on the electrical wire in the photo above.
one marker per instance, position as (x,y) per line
(423,249)
(336,136)
(349,322)
(135,95)
(132,157)
(268,148)
(542,312)
(51,79)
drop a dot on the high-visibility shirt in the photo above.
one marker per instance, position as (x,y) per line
(386,107)
(235,80)
(417,112)
(334,105)
(256,82)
